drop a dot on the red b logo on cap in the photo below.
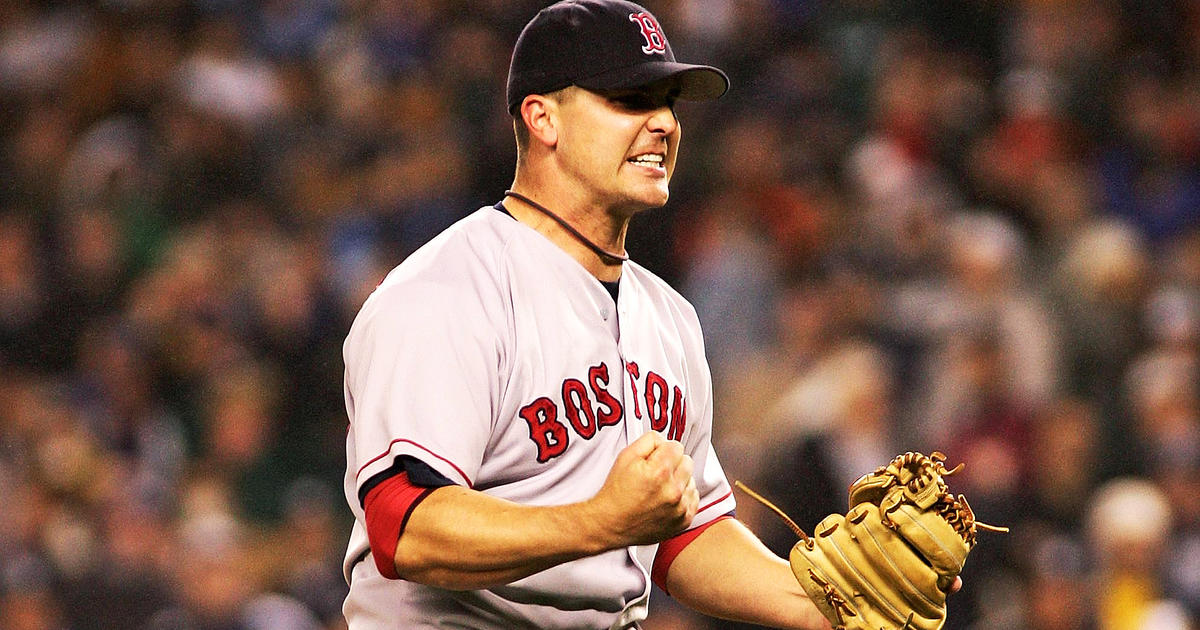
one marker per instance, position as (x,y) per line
(656,42)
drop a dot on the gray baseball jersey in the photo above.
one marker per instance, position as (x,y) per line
(495,358)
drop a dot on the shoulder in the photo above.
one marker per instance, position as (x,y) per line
(473,241)
(466,253)
(458,272)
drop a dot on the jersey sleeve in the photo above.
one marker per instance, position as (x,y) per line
(716,494)
(422,379)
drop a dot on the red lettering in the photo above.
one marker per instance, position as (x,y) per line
(598,376)
(678,416)
(590,406)
(576,400)
(657,397)
(545,430)
(634,373)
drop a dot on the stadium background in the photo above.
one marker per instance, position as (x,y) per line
(968,225)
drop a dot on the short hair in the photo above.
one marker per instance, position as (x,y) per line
(521,131)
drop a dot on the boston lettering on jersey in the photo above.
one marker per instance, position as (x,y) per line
(589,407)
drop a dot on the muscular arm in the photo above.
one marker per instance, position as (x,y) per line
(459,538)
(754,584)
(463,539)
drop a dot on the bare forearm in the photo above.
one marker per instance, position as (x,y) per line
(728,573)
(462,539)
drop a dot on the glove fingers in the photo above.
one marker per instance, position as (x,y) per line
(823,589)
(846,607)
(899,566)
(943,547)
(857,579)
(861,598)
(832,611)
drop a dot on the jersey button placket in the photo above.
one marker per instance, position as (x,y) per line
(633,424)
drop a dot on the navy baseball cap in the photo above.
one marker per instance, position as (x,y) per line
(601,45)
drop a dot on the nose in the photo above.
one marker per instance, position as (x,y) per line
(663,121)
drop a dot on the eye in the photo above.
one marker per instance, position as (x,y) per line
(635,101)
(643,100)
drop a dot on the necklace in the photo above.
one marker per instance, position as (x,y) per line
(608,257)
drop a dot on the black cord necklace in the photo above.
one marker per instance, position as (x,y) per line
(609,257)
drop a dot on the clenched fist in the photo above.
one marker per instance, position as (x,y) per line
(649,494)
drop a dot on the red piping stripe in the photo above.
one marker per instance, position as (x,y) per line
(385,453)
(710,504)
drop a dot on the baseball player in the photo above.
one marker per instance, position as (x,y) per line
(530,411)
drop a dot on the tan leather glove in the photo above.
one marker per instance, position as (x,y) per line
(889,562)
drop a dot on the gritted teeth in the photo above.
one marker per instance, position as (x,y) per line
(648,159)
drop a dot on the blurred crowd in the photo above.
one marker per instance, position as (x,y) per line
(957,225)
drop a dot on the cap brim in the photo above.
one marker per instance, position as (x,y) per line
(696,82)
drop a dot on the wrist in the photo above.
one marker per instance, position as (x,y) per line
(596,527)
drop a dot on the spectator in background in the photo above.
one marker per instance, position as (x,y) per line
(1065,465)
(1058,594)
(988,323)
(24,296)
(1151,172)
(1128,530)
(1163,393)
(1099,285)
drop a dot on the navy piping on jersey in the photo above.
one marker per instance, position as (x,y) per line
(419,473)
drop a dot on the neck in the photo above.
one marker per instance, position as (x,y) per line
(573,235)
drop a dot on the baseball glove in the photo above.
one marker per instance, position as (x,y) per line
(889,562)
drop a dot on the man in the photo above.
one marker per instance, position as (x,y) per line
(530,411)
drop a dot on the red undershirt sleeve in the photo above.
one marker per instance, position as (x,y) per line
(387,507)
(670,548)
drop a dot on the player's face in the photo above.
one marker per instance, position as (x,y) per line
(620,146)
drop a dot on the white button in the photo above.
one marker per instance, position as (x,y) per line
(604,312)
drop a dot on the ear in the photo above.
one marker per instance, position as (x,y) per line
(541,118)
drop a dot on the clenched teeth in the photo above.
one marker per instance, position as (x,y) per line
(653,160)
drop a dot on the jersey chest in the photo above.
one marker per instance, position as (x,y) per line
(585,377)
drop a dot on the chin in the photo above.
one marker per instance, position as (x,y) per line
(657,198)
(645,198)
(643,205)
